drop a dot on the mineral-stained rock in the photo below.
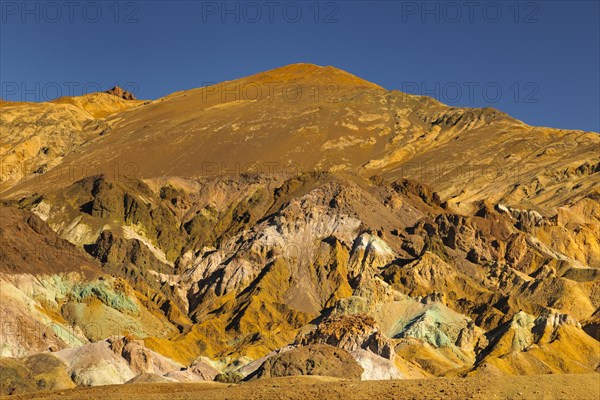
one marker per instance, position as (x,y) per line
(375,367)
(96,364)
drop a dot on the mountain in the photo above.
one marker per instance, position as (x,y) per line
(297,221)
(304,117)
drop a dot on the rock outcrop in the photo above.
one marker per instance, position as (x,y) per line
(320,360)
(351,332)
(121,93)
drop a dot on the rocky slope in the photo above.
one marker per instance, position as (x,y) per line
(36,136)
(235,254)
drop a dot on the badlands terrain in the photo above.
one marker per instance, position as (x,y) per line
(299,233)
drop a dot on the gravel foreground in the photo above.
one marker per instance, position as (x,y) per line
(578,387)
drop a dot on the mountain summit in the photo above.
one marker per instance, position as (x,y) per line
(311,74)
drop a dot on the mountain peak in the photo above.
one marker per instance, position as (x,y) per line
(301,72)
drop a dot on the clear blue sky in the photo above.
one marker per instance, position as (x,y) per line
(542,56)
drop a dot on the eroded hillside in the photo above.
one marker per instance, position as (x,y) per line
(253,238)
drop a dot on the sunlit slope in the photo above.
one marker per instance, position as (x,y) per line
(34,137)
(304,117)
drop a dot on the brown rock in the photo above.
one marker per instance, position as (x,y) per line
(124,94)
(351,332)
(319,359)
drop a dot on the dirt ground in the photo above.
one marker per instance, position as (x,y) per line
(578,387)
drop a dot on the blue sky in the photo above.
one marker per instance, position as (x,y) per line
(536,60)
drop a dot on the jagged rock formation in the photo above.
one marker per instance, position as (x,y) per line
(123,94)
(351,332)
(340,261)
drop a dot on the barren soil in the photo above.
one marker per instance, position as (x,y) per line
(578,387)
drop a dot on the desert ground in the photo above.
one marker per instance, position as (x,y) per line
(580,387)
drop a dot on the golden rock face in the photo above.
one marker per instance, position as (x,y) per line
(36,136)
(214,228)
